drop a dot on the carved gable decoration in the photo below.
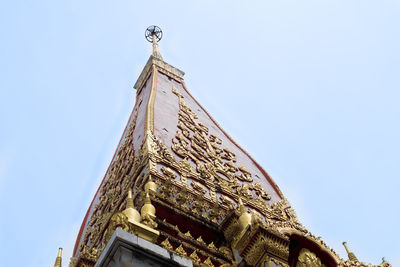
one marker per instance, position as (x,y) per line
(212,169)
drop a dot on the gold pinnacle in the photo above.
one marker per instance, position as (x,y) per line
(148,208)
(129,203)
(130,211)
(242,208)
(156,52)
(147,200)
(58,259)
(245,217)
(150,186)
(350,254)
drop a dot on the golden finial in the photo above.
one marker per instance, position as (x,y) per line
(150,185)
(245,217)
(58,259)
(350,254)
(148,208)
(154,34)
(130,211)
(242,208)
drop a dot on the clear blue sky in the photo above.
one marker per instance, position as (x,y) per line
(310,88)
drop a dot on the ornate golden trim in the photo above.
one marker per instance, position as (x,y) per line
(121,176)
(149,122)
(220,254)
(167,245)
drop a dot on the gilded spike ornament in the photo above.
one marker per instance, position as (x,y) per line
(59,258)
(245,217)
(200,195)
(150,186)
(130,211)
(350,254)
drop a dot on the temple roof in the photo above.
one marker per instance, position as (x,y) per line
(198,173)
(166,110)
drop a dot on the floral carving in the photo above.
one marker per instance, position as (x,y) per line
(168,172)
(213,162)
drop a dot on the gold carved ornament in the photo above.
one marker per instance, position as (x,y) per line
(308,259)
(353,261)
(186,242)
(216,182)
(215,176)
(214,170)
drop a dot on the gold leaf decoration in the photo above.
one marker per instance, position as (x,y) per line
(188,234)
(212,246)
(208,262)
(167,245)
(200,240)
(194,257)
(180,251)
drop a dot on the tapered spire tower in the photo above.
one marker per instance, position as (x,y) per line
(200,195)
(58,259)
(350,254)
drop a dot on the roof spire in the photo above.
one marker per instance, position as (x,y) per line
(245,217)
(150,185)
(58,259)
(130,211)
(129,203)
(350,254)
(154,34)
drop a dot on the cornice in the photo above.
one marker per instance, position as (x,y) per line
(160,64)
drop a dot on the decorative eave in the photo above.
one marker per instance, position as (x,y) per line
(173,72)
